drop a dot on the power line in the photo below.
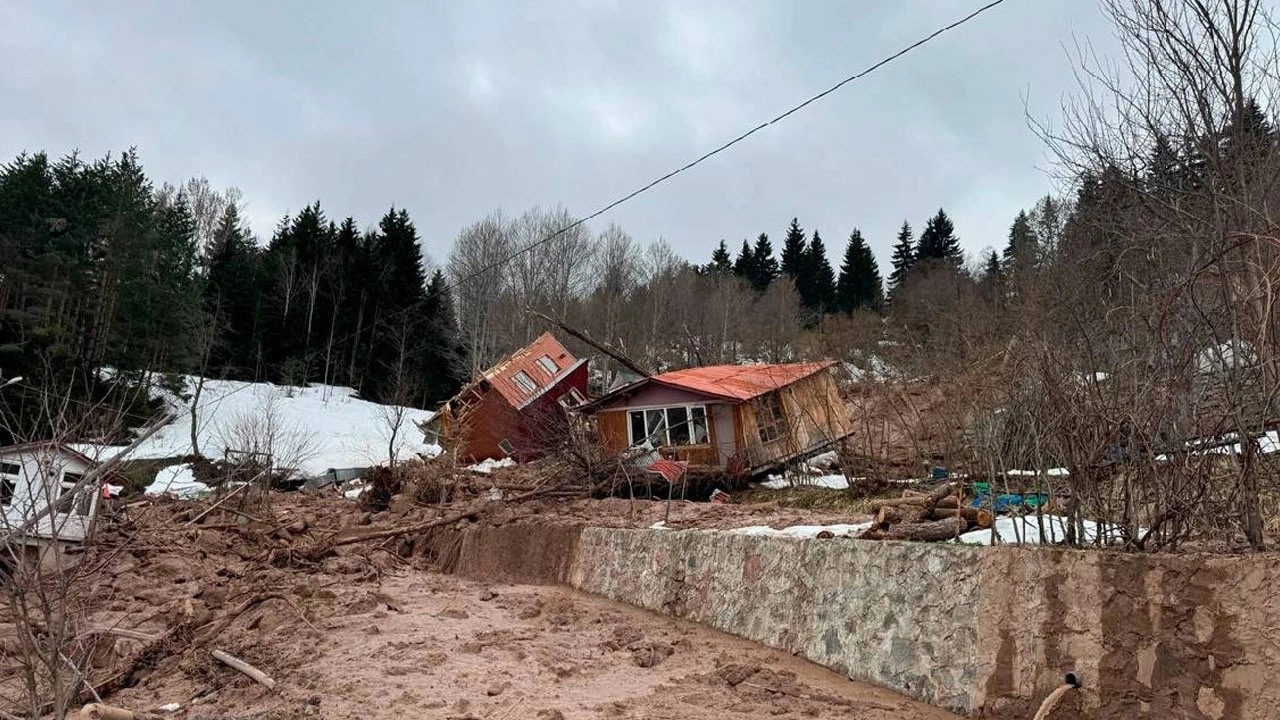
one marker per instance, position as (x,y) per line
(725,146)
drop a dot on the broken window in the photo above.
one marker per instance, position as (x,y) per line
(770,418)
(546,363)
(81,503)
(698,425)
(571,399)
(525,382)
(10,473)
(679,425)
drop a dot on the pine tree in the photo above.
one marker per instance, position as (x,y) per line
(764,267)
(860,285)
(721,262)
(230,298)
(794,251)
(904,257)
(1021,254)
(443,357)
(993,277)
(817,285)
(744,265)
(939,242)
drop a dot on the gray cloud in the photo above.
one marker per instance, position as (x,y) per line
(455,109)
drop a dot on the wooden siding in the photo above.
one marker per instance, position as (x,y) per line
(816,416)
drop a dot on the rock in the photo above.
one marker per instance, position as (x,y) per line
(825,534)
(736,674)
(648,655)
(487,595)
(454,614)
(496,689)
(550,715)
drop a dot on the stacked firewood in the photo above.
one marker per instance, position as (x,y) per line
(940,514)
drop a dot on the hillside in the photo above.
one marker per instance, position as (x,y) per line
(312,429)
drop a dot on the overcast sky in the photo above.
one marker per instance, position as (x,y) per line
(454,109)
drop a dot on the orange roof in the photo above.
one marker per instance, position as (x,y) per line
(527,361)
(731,382)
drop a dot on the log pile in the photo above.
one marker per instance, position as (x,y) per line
(939,514)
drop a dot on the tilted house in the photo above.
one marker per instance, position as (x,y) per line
(503,412)
(36,476)
(742,419)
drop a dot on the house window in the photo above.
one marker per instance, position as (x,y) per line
(679,425)
(81,503)
(770,418)
(506,447)
(525,382)
(10,474)
(571,399)
(546,363)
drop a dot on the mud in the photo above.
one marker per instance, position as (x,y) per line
(432,646)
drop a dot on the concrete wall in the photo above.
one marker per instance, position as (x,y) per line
(986,631)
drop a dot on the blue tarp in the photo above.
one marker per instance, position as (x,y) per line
(1007,501)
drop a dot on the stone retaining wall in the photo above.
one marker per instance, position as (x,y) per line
(984,631)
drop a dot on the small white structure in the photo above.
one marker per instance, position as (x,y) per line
(37,476)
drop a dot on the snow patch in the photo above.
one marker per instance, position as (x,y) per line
(778,482)
(487,466)
(1026,529)
(311,429)
(178,481)
(801,531)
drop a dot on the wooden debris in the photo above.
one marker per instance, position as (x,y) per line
(939,514)
(97,711)
(244,667)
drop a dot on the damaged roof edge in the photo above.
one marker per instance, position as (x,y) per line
(724,381)
(552,383)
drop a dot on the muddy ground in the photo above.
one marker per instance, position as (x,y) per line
(370,629)
(420,644)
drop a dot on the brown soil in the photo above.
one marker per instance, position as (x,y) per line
(369,630)
(426,645)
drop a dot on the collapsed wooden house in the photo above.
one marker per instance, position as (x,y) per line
(509,407)
(740,419)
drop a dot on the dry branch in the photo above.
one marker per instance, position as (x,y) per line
(236,663)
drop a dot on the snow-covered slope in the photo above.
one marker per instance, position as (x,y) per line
(312,429)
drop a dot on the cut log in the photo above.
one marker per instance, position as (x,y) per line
(950,501)
(974,516)
(927,501)
(895,514)
(234,662)
(931,531)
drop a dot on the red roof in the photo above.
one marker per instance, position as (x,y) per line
(526,360)
(732,382)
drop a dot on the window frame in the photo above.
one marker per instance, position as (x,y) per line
(521,378)
(575,399)
(10,475)
(771,418)
(506,447)
(665,439)
(81,505)
(546,360)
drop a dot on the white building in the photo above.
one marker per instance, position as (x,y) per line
(37,476)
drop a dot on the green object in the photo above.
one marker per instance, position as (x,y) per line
(982,488)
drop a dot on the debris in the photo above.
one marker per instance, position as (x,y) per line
(96,711)
(720,497)
(244,667)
